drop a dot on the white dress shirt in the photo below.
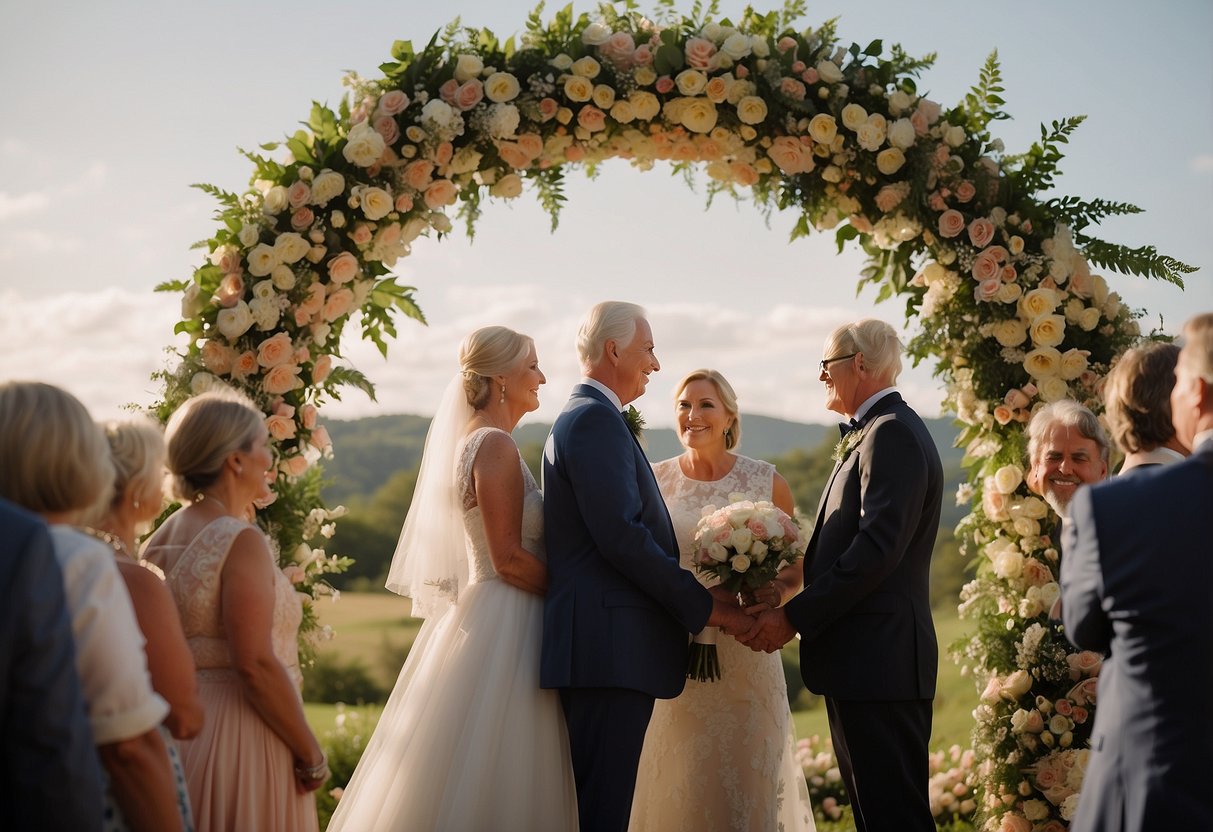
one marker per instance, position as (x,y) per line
(870,401)
(606,391)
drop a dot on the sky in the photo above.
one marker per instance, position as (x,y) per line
(113,109)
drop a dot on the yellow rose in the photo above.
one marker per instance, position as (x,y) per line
(1043,362)
(854,117)
(623,112)
(1010,292)
(823,128)
(604,97)
(1088,319)
(890,160)
(644,76)
(1048,330)
(501,87)
(645,105)
(690,82)
(1010,333)
(577,88)
(699,115)
(586,67)
(751,110)
(1054,389)
(1038,302)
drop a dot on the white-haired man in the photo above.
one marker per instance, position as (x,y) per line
(1067,448)
(1137,586)
(864,617)
(619,607)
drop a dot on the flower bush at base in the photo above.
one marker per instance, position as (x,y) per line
(999,277)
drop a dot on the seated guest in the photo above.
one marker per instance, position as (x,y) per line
(47,741)
(56,464)
(1137,398)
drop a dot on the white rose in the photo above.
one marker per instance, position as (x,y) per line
(276,200)
(468,67)
(717,552)
(759,46)
(736,46)
(1007,478)
(1048,330)
(501,87)
(751,110)
(829,72)
(264,289)
(899,101)
(1073,364)
(503,121)
(1016,685)
(376,203)
(1010,293)
(1008,564)
(290,247)
(871,135)
(248,235)
(1026,527)
(1038,302)
(1042,362)
(690,82)
(901,134)
(1088,319)
(740,540)
(327,185)
(854,117)
(283,277)
(364,146)
(740,563)
(507,187)
(191,302)
(561,62)
(265,313)
(596,34)
(954,135)
(438,113)
(1054,388)
(758,551)
(234,322)
(262,260)
(586,67)
(1010,333)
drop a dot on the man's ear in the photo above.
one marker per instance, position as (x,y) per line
(1033,481)
(611,350)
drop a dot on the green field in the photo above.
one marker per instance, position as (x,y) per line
(375,629)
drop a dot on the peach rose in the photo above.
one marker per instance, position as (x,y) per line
(548,108)
(307,414)
(419,174)
(531,144)
(513,155)
(792,88)
(699,115)
(392,103)
(700,52)
(981,232)
(244,364)
(281,379)
(294,466)
(275,351)
(469,94)
(322,368)
(788,153)
(577,88)
(320,439)
(448,89)
(339,303)
(986,267)
(343,268)
(965,191)
(302,218)
(743,173)
(441,192)
(217,358)
(987,290)
(951,223)
(280,427)
(1003,415)
(230,291)
(591,118)
(298,194)
(443,154)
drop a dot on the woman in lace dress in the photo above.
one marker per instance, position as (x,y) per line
(721,756)
(468,741)
(255,763)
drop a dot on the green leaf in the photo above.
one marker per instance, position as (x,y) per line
(845,234)
(172,286)
(402,50)
(668,60)
(874,48)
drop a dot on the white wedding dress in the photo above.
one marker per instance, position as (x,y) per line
(722,755)
(468,742)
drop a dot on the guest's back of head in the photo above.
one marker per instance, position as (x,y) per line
(203,432)
(1137,396)
(54,459)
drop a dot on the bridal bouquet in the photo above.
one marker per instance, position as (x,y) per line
(744,545)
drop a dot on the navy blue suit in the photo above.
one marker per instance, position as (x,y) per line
(1137,585)
(49,764)
(864,617)
(619,608)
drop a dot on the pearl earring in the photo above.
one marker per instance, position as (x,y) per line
(503,394)
(136,504)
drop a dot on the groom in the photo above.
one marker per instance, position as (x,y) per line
(619,608)
(864,617)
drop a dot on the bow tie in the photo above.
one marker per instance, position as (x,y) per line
(846,427)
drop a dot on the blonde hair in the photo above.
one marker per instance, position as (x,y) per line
(611,320)
(1137,397)
(487,352)
(53,456)
(1197,353)
(728,398)
(203,432)
(877,341)
(137,451)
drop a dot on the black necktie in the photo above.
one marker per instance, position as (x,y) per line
(846,427)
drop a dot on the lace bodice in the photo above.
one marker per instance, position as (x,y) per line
(480,566)
(193,572)
(686,498)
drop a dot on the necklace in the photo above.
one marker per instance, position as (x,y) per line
(116,543)
(204,497)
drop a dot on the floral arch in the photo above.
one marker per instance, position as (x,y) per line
(998,276)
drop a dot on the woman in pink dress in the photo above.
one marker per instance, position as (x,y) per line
(256,762)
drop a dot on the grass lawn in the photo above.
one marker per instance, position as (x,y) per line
(375,628)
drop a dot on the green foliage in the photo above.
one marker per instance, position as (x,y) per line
(1145,261)
(330,679)
(983,103)
(1035,170)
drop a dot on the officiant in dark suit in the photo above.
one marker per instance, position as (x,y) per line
(619,609)
(1137,585)
(864,617)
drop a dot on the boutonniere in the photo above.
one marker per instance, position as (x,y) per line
(634,419)
(848,443)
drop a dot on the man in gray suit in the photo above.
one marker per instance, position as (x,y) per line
(1137,585)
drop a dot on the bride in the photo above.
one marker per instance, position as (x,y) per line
(468,740)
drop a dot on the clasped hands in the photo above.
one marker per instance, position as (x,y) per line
(761,625)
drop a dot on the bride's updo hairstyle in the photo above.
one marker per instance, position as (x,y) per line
(55,457)
(487,352)
(202,432)
(137,451)
(728,398)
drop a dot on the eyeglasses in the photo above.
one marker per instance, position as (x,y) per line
(826,362)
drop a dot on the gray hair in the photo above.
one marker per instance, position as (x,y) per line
(611,320)
(1070,414)
(877,341)
(1197,354)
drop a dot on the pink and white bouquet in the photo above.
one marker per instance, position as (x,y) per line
(744,545)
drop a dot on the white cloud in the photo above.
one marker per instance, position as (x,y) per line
(1203,163)
(17,205)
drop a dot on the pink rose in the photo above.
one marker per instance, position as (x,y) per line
(1047,777)
(1080,715)
(404,203)
(298,193)
(574,153)
(981,231)
(1015,399)
(1009,274)
(387,127)
(1081,283)
(281,379)
(798,66)
(469,94)
(393,103)
(998,253)
(302,219)
(810,76)
(965,191)
(280,427)
(664,84)
(244,364)
(217,358)
(441,192)
(951,223)
(1063,707)
(314,300)
(643,56)
(1012,822)
(339,303)
(937,202)
(591,118)
(276,350)
(307,415)
(1003,414)
(788,153)
(785,43)
(699,52)
(294,573)
(1084,693)
(1036,573)
(419,174)
(320,439)
(987,290)
(362,234)
(293,466)
(741,71)
(322,368)
(447,91)
(986,268)
(889,197)
(343,268)
(919,122)
(228,260)
(792,88)
(548,107)
(1086,663)
(618,49)
(230,291)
